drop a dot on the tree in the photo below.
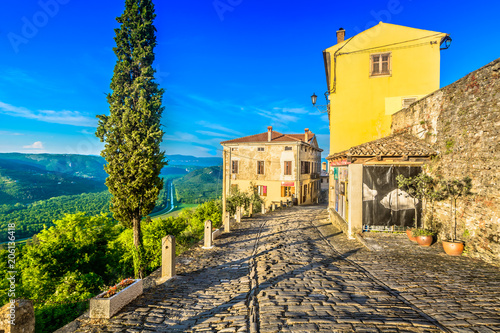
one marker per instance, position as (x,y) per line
(455,189)
(132,132)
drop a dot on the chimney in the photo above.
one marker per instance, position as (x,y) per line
(307,134)
(269,133)
(340,35)
(323,166)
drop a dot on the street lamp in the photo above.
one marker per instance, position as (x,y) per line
(321,108)
(314,98)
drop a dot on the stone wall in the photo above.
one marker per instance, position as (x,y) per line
(17,317)
(462,121)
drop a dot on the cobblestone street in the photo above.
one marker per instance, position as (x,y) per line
(293,271)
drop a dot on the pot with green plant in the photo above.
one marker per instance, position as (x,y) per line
(424,237)
(418,188)
(455,189)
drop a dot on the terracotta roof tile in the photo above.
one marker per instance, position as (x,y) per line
(402,144)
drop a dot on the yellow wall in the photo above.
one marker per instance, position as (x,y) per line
(361,105)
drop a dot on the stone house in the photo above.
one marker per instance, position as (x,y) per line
(282,167)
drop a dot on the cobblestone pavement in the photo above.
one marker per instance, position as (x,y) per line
(292,271)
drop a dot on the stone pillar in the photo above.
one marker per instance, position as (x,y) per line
(208,235)
(263,208)
(273,207)
(168,256)
(17,317)
(238,214)
(250,212)
(227,222)
(355,200)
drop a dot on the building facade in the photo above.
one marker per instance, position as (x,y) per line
(371,76)
(281,167)
(374,74)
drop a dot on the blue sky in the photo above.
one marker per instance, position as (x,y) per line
(230,68)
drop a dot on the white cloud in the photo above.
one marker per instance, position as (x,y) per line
(209,133)
(278,118)
(9,133)
(218,127)
(294,110)
(64,117)
(35,145)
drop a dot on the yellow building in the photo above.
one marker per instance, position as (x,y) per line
(283,167)
(374,74)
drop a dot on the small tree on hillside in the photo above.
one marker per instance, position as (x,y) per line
(132,132)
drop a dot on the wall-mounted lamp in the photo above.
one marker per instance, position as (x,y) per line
(321,108)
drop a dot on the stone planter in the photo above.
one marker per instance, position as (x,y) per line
(453,248)
(108,307)
(425,240)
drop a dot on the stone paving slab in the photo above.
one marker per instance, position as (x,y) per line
(461,293)
(293,271)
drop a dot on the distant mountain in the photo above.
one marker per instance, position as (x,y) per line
(191,160)
(199,185)
(22,182)
(83,166)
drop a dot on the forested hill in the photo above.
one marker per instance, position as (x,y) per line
(199,185)
(84,166)
(24,183)
(26,178)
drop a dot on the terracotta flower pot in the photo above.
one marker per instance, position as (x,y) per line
(453,248)
(410,236)
(424,240)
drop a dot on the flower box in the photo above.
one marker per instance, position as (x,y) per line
(107,307)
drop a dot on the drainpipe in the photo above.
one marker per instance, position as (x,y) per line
(297,169)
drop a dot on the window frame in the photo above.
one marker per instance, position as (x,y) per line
(287,168)
(259,165)
(234,170)
(389,64)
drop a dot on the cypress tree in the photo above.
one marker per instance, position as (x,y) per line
(132,132)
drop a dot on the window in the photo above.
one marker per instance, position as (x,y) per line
(305,167)
(407,102)
(234,149)
(262,190)
(288,167)
(234,167)
(288,148)
(380,64)
(260,149)
(260,167)
(287,191)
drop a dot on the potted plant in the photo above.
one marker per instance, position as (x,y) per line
(108,303)
(455,189)
(424,237)
(418,188)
